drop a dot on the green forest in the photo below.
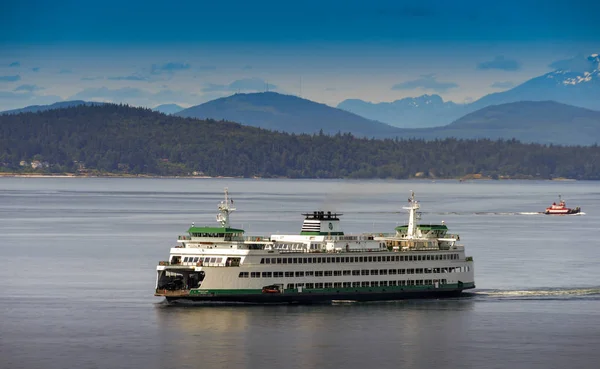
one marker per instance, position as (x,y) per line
(118,139)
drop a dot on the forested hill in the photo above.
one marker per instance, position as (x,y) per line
(122,139)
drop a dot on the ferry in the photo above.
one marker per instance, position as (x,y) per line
(561,208)
(320,264)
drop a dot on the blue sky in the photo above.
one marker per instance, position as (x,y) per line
(188,52)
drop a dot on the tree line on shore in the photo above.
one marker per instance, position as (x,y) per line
(120,139)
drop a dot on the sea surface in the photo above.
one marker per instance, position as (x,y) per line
(78,259)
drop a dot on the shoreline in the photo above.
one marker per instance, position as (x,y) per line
(73,175)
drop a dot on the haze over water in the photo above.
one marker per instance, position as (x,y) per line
(79,256)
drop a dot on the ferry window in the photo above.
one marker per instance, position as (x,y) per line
(295,260)
(299,274)
(278,260)
(337,260)
(389,258)
(266,274)
(383,272)
(374,272)
(374,284)
(298,285)
(364,272)
(383,283)
(364,284)
(356,272)
(392,283)
(262,260)
(361,259)
(328,285)
(346,272)
(196,259)
(346,284)
(243,275)
(315,260)
(329,260)
(379,258)
(401,283)
(318,285)
(355,284)
(392,271)
(289,274)
(337,284)
(290,286)
(318,273)
(346,259)
(185,259)
(273,260)
(337,273)
(328,273)
(370,258)
(255,274)
(300,261)
(277,274)
(309,273)
(285,260)
(268,261)
(310,285)
(308,260)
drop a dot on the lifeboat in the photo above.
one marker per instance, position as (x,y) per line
(561,208)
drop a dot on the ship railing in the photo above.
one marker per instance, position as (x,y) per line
(184,238)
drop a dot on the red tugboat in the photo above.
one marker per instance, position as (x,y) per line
(561,208)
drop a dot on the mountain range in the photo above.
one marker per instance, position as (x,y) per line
(576,82)
(287,113)
(168,108)
(545,122)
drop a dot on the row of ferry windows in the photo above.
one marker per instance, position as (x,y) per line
(332,273)
(418,282)
(357,259)
(191,259)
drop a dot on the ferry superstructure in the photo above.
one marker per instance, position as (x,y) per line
(320,264)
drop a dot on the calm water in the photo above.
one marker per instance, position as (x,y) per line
(78,271)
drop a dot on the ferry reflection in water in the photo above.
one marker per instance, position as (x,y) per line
(383,333)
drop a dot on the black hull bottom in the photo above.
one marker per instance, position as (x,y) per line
(312,298)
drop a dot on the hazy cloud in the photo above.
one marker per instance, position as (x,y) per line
(65,71)
(426,82)
(506,84)
(500,62)
(128,78)
(36,69)
(91,78)
(15,64)
(112,94)
(12,100)
(29,88)
(169,67)
(135,96)
(10,78)
(245,84)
